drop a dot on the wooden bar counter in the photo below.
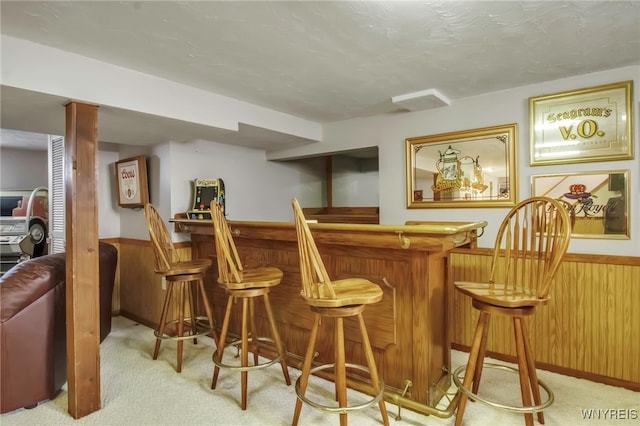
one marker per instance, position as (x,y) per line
(408,329)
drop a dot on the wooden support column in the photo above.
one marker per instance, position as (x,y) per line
(82,293)
(329,171)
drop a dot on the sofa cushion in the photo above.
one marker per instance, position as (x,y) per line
(28,281)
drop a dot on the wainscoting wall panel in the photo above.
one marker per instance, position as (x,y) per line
(590,328)
(141,294)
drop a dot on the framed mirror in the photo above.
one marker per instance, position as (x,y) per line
(470,168)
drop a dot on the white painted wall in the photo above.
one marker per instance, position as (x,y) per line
(509,106)
(253,181)
(355,181)
(80,77)
(256,189)
(23,169)
(108,215)
(250,179)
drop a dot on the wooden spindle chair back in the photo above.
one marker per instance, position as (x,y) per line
(315,280)
(164,250)
(530,245)
(229,264)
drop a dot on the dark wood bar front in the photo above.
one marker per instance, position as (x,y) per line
(408,329)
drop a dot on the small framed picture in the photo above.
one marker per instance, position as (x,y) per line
(131,182)
(597,201)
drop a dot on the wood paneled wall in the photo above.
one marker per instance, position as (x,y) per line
(140,291)
(590,328)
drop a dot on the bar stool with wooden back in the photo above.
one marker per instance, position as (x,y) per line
(184,275)
(244,284)
(529,248)
(337,300)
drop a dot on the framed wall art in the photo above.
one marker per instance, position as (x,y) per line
(470,168)
(597,201)
(131,182)
(591,124)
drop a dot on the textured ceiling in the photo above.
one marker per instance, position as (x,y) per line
(327,61)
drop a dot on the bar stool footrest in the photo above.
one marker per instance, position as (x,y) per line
(248,367)
(200,322)
(332,408)
(514,409)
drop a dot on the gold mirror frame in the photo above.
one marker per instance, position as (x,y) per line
(470,168)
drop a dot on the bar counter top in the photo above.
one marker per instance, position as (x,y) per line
(427,227)
(423,235)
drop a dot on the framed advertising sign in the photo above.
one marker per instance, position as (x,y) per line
(591,124)
(131,182)
(597,201)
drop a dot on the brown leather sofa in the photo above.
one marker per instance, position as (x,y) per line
(32,326)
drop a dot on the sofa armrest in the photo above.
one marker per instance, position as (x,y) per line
(28,281)
(32,332)
(108,264)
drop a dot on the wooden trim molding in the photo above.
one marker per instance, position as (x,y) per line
(603,259)
(634,386)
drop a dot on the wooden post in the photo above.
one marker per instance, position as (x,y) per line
(329,172)
(82,293)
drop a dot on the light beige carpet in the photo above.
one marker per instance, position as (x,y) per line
(137,390)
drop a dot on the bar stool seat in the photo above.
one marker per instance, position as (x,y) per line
(337,300)
(246,285)
(188,277)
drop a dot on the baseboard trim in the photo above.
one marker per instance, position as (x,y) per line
(560,370)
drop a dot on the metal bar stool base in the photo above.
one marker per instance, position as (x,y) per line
(514,409)
(333,408)
(201,323)
(248,367)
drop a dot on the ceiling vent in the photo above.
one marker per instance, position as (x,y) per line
(418,101)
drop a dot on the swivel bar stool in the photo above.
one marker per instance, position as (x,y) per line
(338,300)
(246,285)
(181,274)
(529,248)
